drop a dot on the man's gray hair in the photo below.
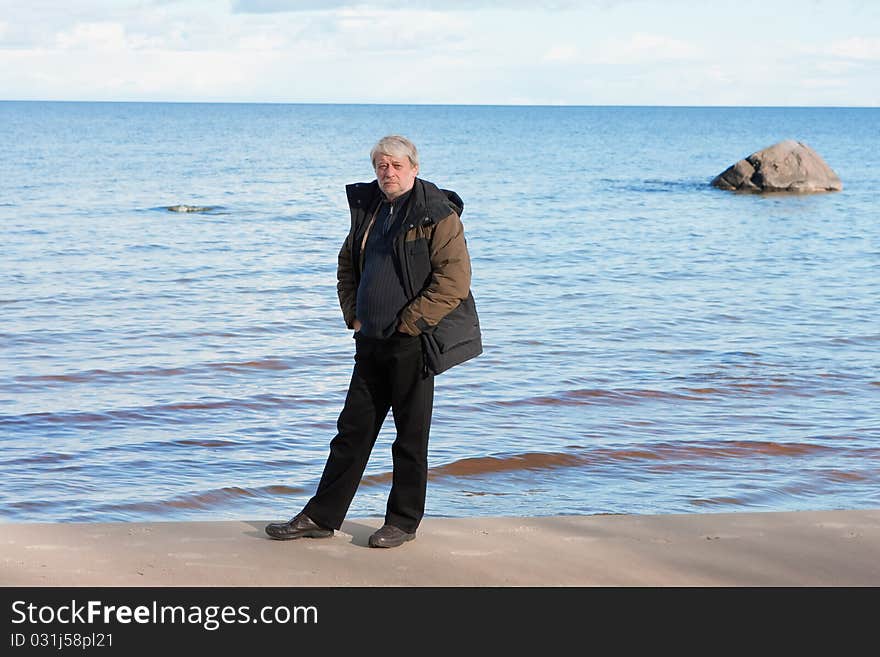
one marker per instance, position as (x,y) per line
(395,146)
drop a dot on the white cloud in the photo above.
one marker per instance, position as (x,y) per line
(133,75)
(281,6)
(856,48)
(823,83)
(647,48)
(114,37)
(367,30)
(94,36)
(834,67)
(261,42)
(469,51)
(560,53)
(720,75)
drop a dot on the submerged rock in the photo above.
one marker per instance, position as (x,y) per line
(189,208)
(789,166)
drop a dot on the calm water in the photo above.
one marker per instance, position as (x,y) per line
(652,345)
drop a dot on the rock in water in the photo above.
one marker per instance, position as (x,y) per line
(189,208)
(789,166)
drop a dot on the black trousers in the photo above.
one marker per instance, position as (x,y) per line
(388,374)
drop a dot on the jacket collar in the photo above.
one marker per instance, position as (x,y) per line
(425,198)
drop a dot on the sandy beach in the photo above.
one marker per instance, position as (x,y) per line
(806,548)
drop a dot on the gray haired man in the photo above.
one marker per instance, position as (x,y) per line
(403,281)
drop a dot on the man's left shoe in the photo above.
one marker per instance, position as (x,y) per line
(390,536)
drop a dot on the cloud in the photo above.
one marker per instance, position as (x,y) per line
(561,53)
(823,83)
(647,48)
(720,75)
(122,24)
(432,51)
(367,31)
(856,48)
(260,42)
(109,36)
(278,6)
(93,36)
(835,66)
(90,74)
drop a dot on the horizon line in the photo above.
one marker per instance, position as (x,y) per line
(424,104)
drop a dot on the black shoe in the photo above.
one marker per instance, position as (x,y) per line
(300,526)
(390,536)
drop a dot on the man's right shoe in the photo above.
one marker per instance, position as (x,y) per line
(300,526)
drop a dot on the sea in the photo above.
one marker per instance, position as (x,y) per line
(652,345)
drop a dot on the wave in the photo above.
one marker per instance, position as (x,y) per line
(207,499)
(159,413)
(47,458)
(662,456)
(710,387)
(211,499)
(659,458)
(98,375)
(655,185)
(591,396)
(857,340)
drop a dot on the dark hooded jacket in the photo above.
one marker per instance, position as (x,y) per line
(431,258)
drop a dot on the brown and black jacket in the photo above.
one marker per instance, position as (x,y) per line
(431,258)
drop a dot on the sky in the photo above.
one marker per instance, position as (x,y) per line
(566,52)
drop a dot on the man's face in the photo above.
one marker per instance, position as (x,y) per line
(396,175)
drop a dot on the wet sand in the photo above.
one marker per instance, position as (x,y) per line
(806,548)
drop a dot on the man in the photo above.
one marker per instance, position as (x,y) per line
(403,281)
